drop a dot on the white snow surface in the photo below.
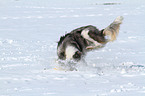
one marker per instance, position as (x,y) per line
(30,29)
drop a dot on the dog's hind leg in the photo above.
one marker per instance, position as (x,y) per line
(113,29)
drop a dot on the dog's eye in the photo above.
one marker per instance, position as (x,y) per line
(77,55)
(62,54)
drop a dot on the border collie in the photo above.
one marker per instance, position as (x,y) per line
(74,45)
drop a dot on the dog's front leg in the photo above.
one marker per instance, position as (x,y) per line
(96,46)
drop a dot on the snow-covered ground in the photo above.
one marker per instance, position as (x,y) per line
(29,30)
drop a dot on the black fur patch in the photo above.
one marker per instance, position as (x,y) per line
(62,38)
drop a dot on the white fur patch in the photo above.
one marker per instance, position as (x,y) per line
(85,34)
(70,51)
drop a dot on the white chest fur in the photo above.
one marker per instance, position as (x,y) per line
(70,51)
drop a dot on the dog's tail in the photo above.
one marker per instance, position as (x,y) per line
(113,29)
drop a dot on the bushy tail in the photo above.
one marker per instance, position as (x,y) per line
(113,29)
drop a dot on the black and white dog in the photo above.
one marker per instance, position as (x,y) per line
(74,45)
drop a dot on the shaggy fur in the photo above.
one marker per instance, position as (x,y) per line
(87,38)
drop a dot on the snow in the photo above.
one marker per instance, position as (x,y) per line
(29,30)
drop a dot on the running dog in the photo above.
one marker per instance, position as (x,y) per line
(75,45)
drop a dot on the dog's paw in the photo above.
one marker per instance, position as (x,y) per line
(90,47)
(94,47)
